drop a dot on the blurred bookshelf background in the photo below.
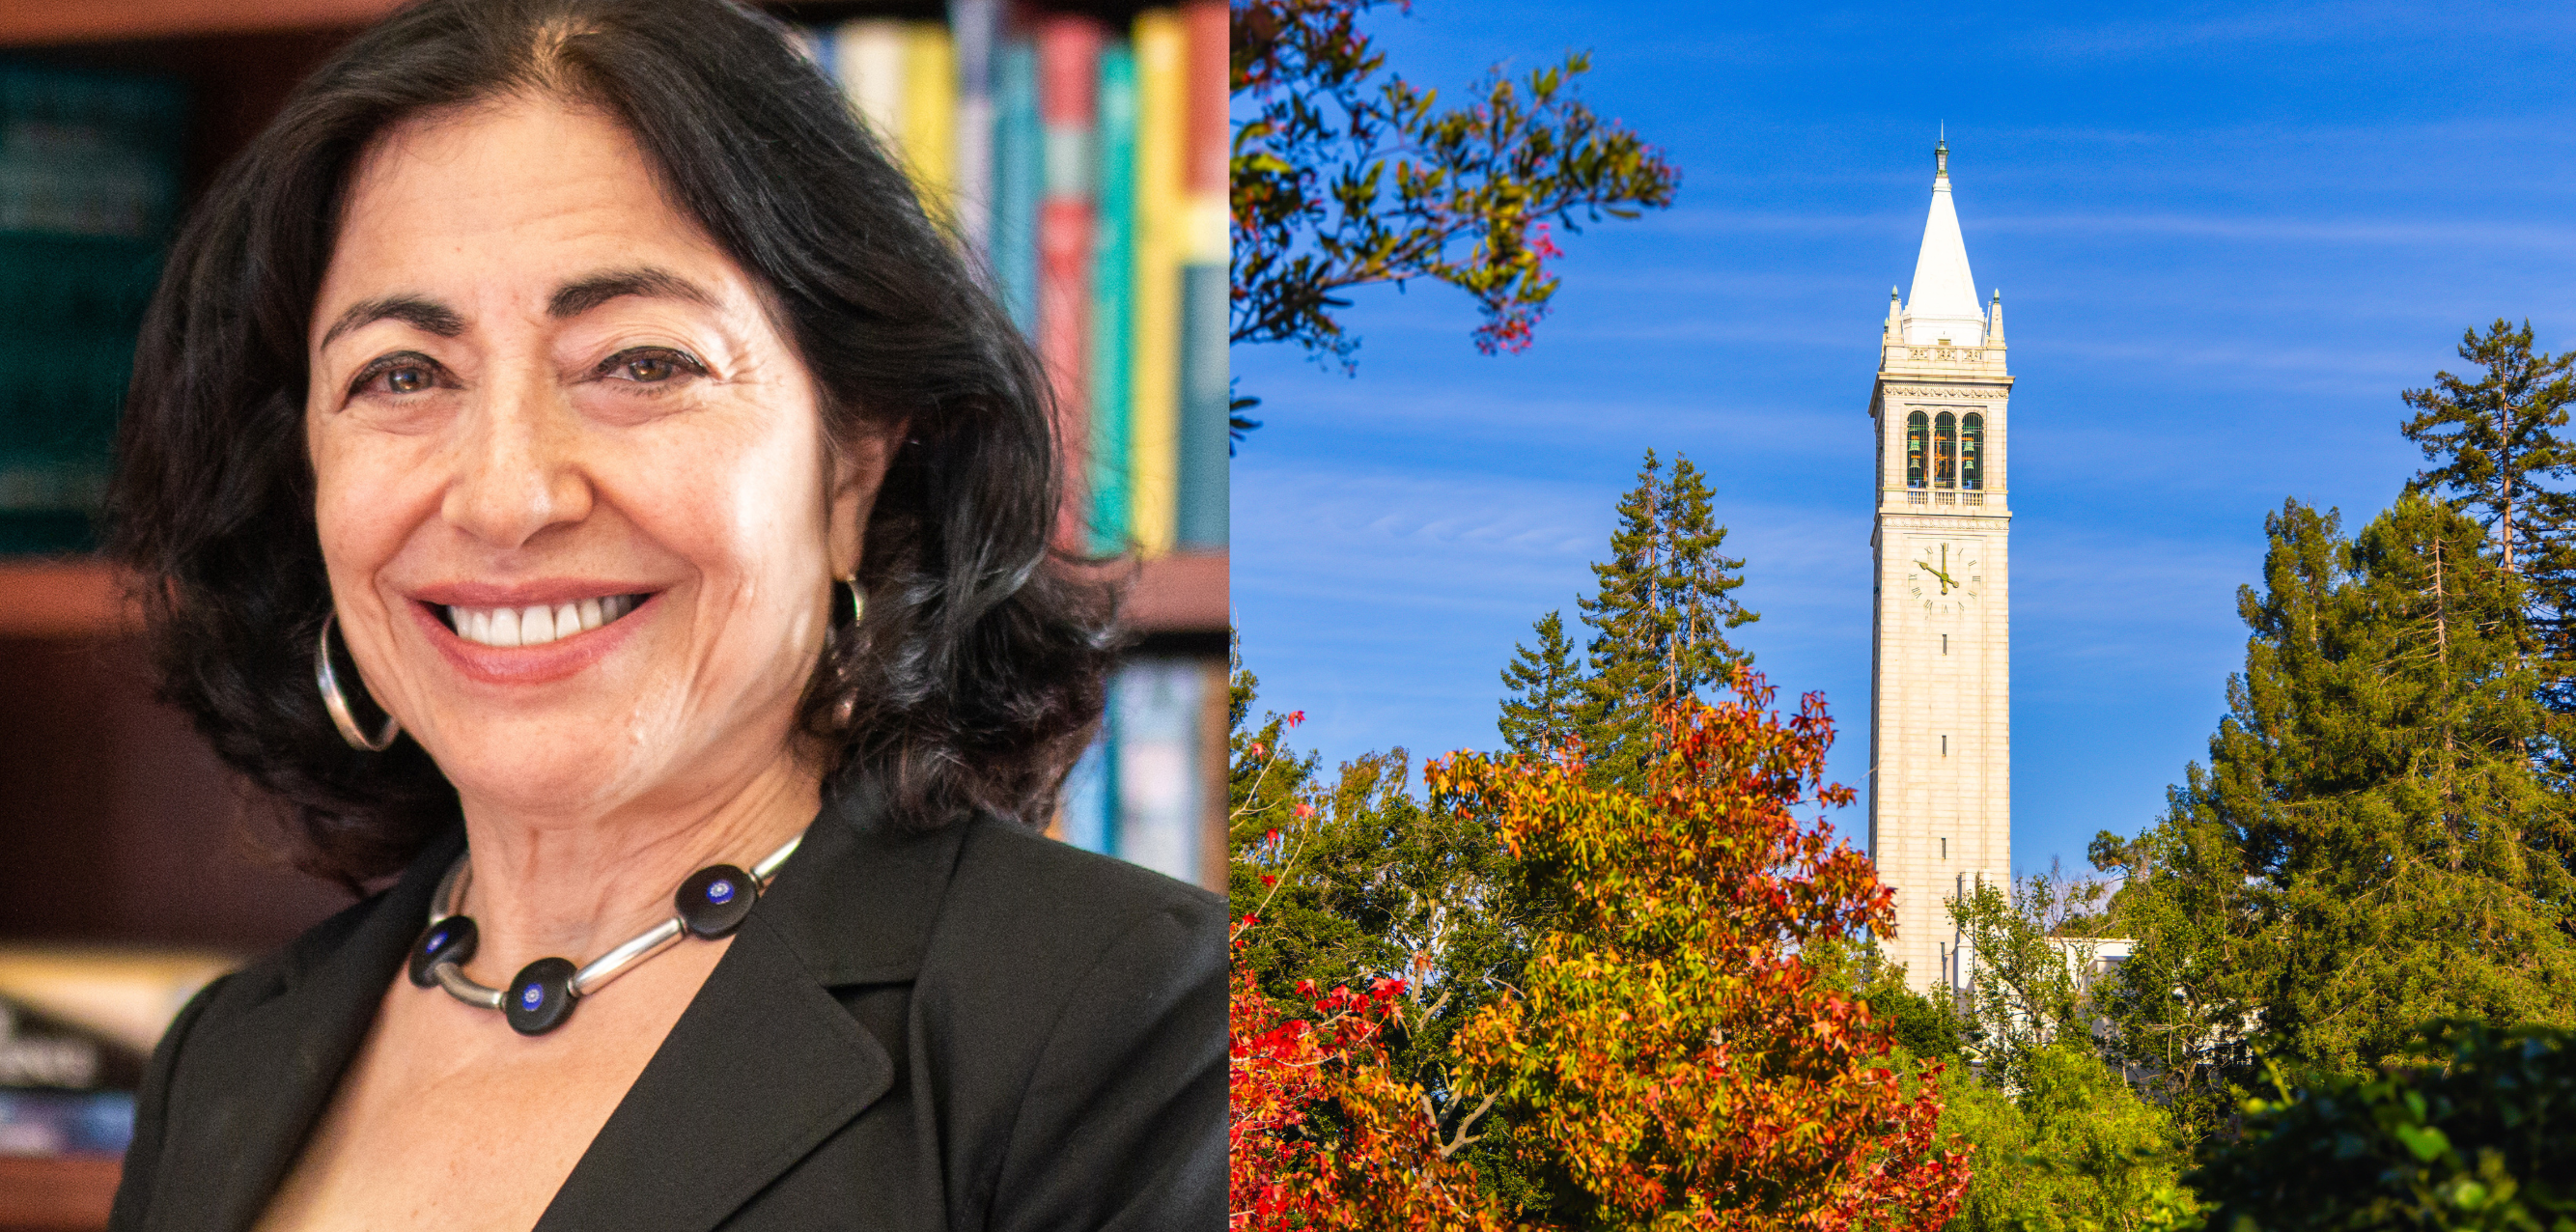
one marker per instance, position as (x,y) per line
(1078,150)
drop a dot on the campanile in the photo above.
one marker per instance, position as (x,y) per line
(1940,768)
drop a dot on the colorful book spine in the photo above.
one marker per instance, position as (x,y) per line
(1019,168)
(1113,303)
(1204,435)
(930,116)
(868,56)
(1068,107)
(1154,426)
(1157,702)
(975,24)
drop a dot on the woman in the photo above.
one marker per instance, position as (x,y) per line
(568,471)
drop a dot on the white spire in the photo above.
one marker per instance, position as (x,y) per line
(1944,302)
(1995,321)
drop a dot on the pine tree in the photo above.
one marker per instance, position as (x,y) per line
(2496,440)
(1659,615)
(2369,847)
(1546,707)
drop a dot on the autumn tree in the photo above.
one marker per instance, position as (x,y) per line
(1667,1045)
(1323,1133)
(2368,847)
(1345,175)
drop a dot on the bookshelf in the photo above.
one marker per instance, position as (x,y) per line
(117,824)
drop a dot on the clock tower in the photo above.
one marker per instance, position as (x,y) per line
(1940,749)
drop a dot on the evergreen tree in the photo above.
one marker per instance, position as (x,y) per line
(2496,440)
(1663,603)
(1546,707)
(2369,847)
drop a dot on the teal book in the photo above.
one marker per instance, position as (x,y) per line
(1090,808)
(1019,173)
(1113,303)
(1205,436)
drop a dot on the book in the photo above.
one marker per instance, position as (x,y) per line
(1153,433)
(1088,816)
(1113,274)
(930,117)
(89,175)
(1156,706)
(1019,169)
(1205,438)
(868,56)
(975,25)
(1068,104)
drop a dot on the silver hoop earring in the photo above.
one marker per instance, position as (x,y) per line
(858,599)
(338,704)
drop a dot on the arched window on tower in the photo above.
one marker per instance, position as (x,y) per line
(1972,452)
(1918,430)
(1945,450)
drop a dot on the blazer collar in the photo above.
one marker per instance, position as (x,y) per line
(254,1082)
(765,1064)
(759,1069)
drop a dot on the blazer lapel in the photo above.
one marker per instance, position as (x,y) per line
(765,1064)
(254,1083)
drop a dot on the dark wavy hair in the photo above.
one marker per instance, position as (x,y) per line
(978,672)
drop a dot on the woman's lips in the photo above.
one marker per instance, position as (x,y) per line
(478,655)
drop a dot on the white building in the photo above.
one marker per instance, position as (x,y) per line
(1940,777)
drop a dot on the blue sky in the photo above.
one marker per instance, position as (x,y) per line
(2226,237)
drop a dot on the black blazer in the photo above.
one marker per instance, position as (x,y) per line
(971,1028)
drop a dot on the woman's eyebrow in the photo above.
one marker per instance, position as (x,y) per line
(427,315)
(581,295)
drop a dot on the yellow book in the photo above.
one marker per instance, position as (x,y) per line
(869,54)
(930,116)
(1155,439)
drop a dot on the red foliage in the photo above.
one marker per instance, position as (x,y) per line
(1321,1135)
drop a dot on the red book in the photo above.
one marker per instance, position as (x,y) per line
(1205,138)
(1068,112)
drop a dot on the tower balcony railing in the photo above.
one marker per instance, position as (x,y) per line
(1938,497)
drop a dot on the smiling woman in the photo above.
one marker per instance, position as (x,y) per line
(568,471)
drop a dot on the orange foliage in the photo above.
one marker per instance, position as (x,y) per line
(1669,1048)
(1322,1135)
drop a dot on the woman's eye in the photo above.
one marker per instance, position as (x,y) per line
(397,376)
(656,367)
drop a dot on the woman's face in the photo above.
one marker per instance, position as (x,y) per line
(574,499)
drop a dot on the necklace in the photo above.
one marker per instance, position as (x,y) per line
(710,903)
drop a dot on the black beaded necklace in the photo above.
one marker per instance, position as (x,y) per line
(711,903)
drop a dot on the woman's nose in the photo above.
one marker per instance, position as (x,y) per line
(517,464)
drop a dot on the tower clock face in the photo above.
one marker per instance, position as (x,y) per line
(1943,577)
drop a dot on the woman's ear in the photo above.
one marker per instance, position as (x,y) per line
(858,471)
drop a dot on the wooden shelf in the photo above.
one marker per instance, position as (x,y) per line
(80,599)
(60,1193)
(39,23)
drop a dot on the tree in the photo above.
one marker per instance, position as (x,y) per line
(2369,847)
(2496,440)
(1545,708)
(1667,1044)
(1356,881)
(1321,1131)
(1664,601)
(2020,997)
(1343,175)
(2470,1133)
(2068,1147)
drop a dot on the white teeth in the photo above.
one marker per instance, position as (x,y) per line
(536,626)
